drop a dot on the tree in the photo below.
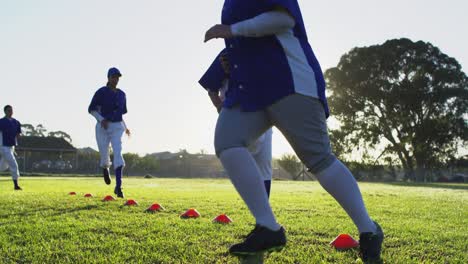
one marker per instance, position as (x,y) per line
(132,162)
(149,164)
(31,131)
(28,130)
(41,131)
(406,97)
(60,134)
(291,164)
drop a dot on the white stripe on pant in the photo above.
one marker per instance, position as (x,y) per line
(7,160)
(110,136)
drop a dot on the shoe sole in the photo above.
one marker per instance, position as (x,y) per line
(272,249)
(107,180)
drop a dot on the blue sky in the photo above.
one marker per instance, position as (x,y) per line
(55,54)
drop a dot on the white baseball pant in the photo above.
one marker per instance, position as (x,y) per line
(110,136)
(8,160)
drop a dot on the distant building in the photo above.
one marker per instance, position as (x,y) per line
(45,153)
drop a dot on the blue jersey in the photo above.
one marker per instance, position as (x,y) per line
(214,77)
(109,103)
(267,69)
(9,128)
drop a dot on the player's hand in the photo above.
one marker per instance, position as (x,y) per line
(104,124)
(223,58)
(127,131)
(216,100)
(218,31)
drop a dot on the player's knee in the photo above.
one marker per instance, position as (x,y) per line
(320,162)
(224,143)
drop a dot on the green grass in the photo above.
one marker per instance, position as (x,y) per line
(43,224)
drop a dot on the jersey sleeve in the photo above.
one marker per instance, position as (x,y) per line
(93,106)
(19,128)
(124,109)
(292,6)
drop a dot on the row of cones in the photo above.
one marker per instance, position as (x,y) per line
(193,213)
(341,242)
(190,213)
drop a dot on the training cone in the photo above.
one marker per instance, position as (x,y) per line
(190,213)
(88,195)
(108,198)
(72,193)
(154,208)
(131,202)
(222,219)
(344,241)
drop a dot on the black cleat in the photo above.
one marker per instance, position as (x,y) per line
(370,246)
(119,193)
(260,240)
(106,175)
(17,188)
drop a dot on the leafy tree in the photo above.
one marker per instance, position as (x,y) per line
(60,134)
(148,163)
(28,130)
(291,164)
(407,97)
(41,131)
(132,162)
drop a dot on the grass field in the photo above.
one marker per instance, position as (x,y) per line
(43,224)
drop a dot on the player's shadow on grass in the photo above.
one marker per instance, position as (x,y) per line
(453,186)
(56,212)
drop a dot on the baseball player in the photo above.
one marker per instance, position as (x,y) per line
(276,80)
(108,106)
(215,81)
(10,129)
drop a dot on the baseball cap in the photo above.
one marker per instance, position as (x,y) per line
(113,71)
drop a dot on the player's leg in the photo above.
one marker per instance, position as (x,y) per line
(8,154)
(302,121)
(3,163)
(117,130)
(262,152)
(103,142)
(235,130)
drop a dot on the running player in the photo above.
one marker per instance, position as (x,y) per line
(108,106)
(276,80)
(10,130)
(216,82)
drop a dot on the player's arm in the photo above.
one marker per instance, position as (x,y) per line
(269,23)
(216,100)
(127,131)
(93,109)
(276,21)
(18,132)
(215,77)
(124,111)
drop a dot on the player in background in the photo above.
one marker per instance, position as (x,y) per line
(10,130)
(216,82)
(108,106)
(276,80)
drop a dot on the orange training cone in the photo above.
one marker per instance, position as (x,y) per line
(222,219)
(108,198)
(72,193)
(190,213)
(344,241)
(131,202)
(154,208)
(88,195)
